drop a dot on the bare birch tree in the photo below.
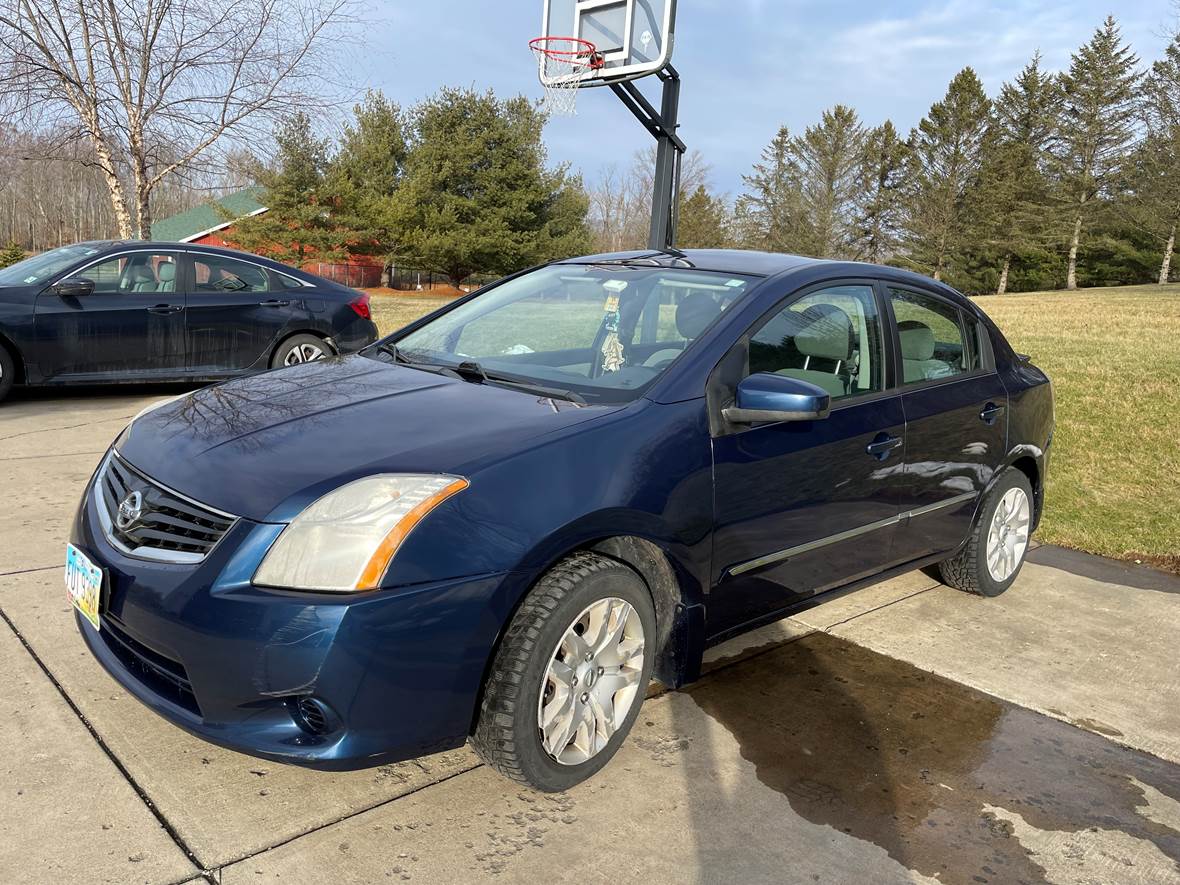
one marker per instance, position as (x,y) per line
(152,86)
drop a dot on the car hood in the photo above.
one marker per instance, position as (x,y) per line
(264,447)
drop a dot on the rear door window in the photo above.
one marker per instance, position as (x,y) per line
(215,274)
(933,343)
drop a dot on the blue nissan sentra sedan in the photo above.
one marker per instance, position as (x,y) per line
(500,522)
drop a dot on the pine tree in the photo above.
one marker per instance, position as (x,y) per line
(1155,179)
(945,154)
(1009,200)
(826,159)
(768,213)
(877,210)
(363,176)
(1095,128)
(703,221)
(11,254)
(476,195)
(298,224)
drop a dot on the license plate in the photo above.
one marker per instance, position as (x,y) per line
(83,584)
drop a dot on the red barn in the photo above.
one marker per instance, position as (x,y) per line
(207,226)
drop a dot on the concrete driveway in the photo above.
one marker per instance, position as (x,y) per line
(903,733)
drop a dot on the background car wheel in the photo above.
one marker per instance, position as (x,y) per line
(300,349)
(994,553)
(7,371)
(570,675)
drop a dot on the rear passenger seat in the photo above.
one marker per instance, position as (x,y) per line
(917,353)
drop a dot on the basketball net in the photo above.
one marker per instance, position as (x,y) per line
(563,61)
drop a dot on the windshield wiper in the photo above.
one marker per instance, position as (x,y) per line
(394,351)
(469,370)
(404,359)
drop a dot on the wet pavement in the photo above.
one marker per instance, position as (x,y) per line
(904,733)
(951,782)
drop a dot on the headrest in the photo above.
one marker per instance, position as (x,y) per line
(827,337)
(917,340)
(166,272)
(695,313)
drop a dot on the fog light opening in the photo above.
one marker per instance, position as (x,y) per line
(313,716)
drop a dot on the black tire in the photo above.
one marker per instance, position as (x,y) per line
(967,570)
(7,372)
(284,350)
(507,736)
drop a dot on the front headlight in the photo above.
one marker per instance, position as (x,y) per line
(345,540)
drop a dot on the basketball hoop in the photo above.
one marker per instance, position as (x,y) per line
(563,62)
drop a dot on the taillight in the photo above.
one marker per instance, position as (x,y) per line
(360,304)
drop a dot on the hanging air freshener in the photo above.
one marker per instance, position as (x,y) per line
(612,347)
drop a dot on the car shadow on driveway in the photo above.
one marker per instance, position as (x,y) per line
(951,782)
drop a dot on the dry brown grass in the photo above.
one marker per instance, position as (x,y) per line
(1114,357)
(392,310)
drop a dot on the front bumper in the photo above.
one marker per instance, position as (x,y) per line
(399,671)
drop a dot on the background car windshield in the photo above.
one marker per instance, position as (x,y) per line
(603,332)
(41,267)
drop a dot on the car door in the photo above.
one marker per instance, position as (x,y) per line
(132,324)
(956,417)
(235,316)
(801,507)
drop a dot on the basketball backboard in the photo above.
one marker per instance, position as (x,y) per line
(633,37)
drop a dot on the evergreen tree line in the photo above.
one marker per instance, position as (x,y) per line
(459,184)
(1061,180)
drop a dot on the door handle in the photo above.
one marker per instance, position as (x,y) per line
(990,413)
(165,309)
(880,447)
(273,302)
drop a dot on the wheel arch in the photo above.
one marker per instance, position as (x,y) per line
(675,596)
(17,358)
(1029,464)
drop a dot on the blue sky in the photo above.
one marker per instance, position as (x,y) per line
(747,66)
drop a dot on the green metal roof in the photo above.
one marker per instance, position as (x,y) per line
(203,219)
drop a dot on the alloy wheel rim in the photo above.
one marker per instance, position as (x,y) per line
(303,353)
(592,681)
(1007,536)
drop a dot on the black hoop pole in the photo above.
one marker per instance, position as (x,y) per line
(669,152)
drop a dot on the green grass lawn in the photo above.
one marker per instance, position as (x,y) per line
(1114,357)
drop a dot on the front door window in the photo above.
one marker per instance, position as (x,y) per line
(831,338)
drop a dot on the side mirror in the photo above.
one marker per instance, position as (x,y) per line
(74,288)
(766,397)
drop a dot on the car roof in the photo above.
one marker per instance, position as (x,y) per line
(172,246)
(766,264)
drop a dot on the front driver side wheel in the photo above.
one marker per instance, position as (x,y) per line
(570,674)
(990,561)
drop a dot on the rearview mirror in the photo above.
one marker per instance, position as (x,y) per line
(74,288)
(768,398)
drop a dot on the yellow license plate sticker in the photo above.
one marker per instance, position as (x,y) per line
(83,584)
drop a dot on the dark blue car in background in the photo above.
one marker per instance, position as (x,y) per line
(138,311)
(500,522)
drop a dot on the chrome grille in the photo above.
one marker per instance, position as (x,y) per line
(169,527)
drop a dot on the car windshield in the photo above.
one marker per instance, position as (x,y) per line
(41,267)
(601,333)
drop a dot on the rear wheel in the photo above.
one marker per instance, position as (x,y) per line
(570,675)
(300,349)
(994,553)
(7,371)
